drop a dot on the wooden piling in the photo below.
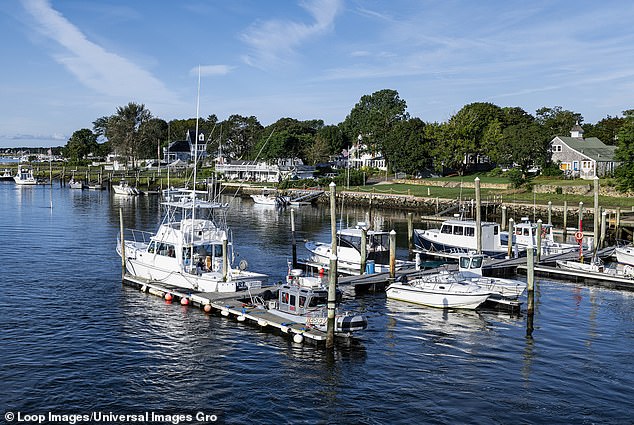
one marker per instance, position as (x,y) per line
(503,224)
(364,249)
(550,212)
(530,268)
(410,232)
(538,239)
(392,254)
(333,218)
(293,241)
(581,216)
(122,244)
(617,224)
(565,220)
(332,302)
(603,229)
(510,242)
(225,258)
(478,215)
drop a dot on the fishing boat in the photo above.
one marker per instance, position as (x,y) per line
(270,197)
(349,251)
(457,237)
(124,188)
(439,291)
(25,175)
(525,234)
(304,299)
(6,174)
(191,249)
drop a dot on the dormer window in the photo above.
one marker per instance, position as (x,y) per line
(556,148)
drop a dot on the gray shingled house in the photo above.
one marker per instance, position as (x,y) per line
(580,157)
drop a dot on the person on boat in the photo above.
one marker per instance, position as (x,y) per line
(200,266)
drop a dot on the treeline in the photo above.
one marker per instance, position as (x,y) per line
(479,132)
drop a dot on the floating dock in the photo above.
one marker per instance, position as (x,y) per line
(236,304)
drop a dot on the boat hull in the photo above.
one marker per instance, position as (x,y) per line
(625,255)
(434,298)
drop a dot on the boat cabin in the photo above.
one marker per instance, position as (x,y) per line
(377,243)
(303,300)
(471,265)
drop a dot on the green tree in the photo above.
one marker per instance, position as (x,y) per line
(80,144)
(605,130)
(527,145)
(287,138)
(374,116)
(407,147)
(625,153)
(238,136)
(153,136)
(123,130)
(557,121)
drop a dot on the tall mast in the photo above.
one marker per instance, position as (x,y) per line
(191,263)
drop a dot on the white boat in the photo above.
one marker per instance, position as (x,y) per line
(596,265)
(75,184)
(625,254)
(525,234)
(123,188)
(270,197)
(349,251)
(6,175)
(440,292)
(303,299)
(191,249)
(25,175)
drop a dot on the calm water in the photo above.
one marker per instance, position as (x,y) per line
(75,340)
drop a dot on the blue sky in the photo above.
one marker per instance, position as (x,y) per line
(67,63)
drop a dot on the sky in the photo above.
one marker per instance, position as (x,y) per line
(67,63)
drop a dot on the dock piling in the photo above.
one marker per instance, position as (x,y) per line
(410,232)
(293,241)
(510,242)
(332,301)
(603,229)
(364,249)
(503,224)
(565,220)
(392,254)
(122,244)
(478,215)
(550,212)
(596,210)
(538,239)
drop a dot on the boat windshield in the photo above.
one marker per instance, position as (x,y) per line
(318,298)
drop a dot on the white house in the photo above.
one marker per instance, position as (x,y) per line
(288,168)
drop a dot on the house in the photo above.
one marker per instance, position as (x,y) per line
(581,157)
(358,157)
(282,169)
(185,149)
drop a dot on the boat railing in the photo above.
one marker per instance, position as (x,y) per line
(139,236)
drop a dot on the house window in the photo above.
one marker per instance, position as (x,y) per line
(575,165)
(556,148)
(586,165)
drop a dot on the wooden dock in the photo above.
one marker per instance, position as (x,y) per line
(234,304)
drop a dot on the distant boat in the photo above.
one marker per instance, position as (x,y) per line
(75,184)
(6,175)
(270,197)
(123,188)
(25,175)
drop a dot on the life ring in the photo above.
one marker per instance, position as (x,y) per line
(579,236)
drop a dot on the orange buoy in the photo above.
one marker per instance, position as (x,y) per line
(207,308)
(184,301)
(168,297)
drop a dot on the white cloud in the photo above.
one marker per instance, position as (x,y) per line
(273,41)
(100,70)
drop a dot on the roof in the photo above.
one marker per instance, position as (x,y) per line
(180,146)
(591,147)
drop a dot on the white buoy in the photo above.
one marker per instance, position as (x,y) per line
(225,312)
(262,322)
(241,318)
(298,338)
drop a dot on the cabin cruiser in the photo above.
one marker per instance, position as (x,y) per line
(525,234)
(6,174)
(457,237)
(349,251)
(191,249)
(304,299)
(25,175)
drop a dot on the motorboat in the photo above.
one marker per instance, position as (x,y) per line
(6,174)
(25,175)
(271,197)
(625,254)
(303,299)
(349,251)
(191,249)
(525,234)
(470,270)
(457,236)
(75,184)
(596,265)
(440,291)
(124,188)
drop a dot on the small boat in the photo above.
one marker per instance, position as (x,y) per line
(525,234)
(6,174)
(95,186)
(349,251)
(303,299)
(75,184)
(439,291)
(25,175)
(625,254)
(596,265)
(270,197)
(123,188)
(470,270)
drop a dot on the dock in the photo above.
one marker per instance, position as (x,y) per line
(231,304)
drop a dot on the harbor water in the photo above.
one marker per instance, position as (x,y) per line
(75,340)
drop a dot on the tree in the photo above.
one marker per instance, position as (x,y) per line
(287,138)
(123,129)
(80,144)
(374,116)
(238,135)
(625,153)
(605,130)
(153,135)
(407,147)
(557,121)
(469,126)
(493,143)
(527,145)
